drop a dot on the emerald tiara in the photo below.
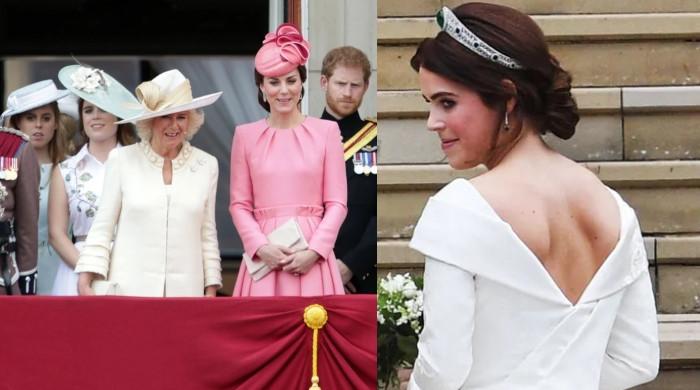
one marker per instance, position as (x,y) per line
(450,24)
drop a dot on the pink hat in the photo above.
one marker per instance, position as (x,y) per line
(282,51)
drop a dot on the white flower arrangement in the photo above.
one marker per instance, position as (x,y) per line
(402,303)
(89,79)
(400,319)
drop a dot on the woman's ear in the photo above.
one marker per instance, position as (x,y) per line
(511,90)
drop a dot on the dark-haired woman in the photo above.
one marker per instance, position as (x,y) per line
(287,166)
(535,274)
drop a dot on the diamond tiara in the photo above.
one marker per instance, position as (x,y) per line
(450,24)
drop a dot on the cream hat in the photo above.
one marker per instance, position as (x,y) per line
(168,93)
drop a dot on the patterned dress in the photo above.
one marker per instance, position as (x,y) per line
(83,176)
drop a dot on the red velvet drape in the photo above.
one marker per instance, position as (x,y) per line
(184,343)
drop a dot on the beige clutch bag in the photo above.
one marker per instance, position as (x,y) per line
(288,234)
(104,287)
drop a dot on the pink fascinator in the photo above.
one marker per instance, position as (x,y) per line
(282,51)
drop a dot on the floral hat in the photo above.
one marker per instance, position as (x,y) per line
(99,88)
(282,51)
(32,96)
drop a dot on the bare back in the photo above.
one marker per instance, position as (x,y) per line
(563,214)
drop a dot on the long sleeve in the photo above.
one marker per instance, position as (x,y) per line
(27,211)
(632,355)
(335,194)
(95,255)
(211,256)
(242,205)
(445,345)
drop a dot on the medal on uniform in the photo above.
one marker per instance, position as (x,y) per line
(8,168)
(365,162)
(7,171)
(374,163)
(357,164)
(13,169)
(2,168)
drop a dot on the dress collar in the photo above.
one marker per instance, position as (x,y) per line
(156,159)
(84,155)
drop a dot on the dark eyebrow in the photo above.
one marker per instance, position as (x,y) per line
(441,94)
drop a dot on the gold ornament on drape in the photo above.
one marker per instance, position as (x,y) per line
(315,316)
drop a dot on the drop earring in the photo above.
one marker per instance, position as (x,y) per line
(506,126)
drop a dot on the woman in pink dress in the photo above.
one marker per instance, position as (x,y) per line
(287,166)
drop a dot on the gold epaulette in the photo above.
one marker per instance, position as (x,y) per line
(367,133)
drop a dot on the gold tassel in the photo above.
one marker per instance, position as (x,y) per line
(315,316)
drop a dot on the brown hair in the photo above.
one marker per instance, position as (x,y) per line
(125,131)
(259,80)
(74,141)
(346,56)
(543,87)
(58,145)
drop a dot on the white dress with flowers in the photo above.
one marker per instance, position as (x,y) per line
(496,320)
(83,177)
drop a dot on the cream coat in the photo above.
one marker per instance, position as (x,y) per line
(165,241)
(495,319)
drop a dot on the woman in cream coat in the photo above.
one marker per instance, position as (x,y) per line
(536,276)
(158,203)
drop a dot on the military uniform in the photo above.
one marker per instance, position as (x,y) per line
(19,176)
(357,241)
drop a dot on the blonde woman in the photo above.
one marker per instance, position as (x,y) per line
(161,193)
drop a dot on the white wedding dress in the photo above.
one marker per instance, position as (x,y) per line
(496,320)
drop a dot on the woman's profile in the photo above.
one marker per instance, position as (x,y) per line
(536,275)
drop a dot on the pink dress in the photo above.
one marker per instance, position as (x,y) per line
(278,174)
